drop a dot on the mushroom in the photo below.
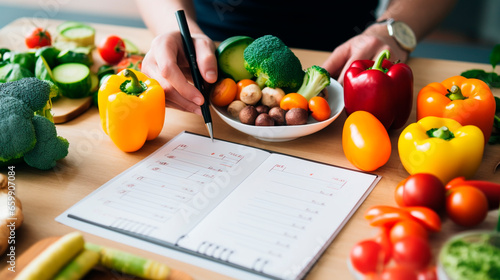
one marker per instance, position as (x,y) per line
(251,94)
(271,97)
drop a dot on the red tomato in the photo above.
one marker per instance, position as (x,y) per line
(241,84)
(405,228)
(366,256)
(133,61)
(224,92)
(466,205)
(398,272)
(384,240)
(320,109)
(38,37)
(421,189)
(412,251)
(112,49)
(293,100)
(365,141)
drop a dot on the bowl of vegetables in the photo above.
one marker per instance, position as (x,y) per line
(286,132)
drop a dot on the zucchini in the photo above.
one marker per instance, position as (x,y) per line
(68,24)
(94,82)
(42,70)
(78,55)
(230,57)
(73,79)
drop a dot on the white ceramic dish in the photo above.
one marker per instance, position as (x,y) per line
(289,132)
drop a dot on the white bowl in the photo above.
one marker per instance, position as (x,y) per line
(289,132)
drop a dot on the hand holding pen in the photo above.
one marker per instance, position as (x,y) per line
(193,65)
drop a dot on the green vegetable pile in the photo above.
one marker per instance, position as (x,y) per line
(492,79)
(25,135)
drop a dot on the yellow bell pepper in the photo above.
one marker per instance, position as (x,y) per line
(132,109)
(442,147)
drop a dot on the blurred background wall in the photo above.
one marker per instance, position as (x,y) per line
(468,33)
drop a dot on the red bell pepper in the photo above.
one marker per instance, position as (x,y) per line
(491,190)
(381,88)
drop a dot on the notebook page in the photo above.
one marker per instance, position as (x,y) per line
(282,216)
(170,191)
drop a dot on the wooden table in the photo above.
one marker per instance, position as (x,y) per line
(93,160)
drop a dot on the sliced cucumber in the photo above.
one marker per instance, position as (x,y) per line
(49,53)
(230,57)
(42,70)
(94,82)
(130,47)
(68,24)
(73,79)
(78,55)
(80,35)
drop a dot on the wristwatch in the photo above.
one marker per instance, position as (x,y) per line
(402,33)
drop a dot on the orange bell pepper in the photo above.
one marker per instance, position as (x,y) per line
(132,109)
(468,101)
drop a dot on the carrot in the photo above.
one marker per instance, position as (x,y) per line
(79,266)
(130,264)
(52,259)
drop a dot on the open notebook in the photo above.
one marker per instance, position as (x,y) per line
(263,212)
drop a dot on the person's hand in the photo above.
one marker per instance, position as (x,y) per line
(166,62)
(366,45)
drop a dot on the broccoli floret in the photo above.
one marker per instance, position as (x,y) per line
(24,135)
(17,134)
(32,91)
(315,80)
(49,147)
(273,63)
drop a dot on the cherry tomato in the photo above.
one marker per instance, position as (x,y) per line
(38,37)
(365,141)
(293,100)
(384,240)
(133,61)
(412,251)
(112,49)
(421,189)
(405,228)
(426,216)
(320,109)
(366,256)
(428,273)
(241,84)
(398,272)
(224,92)
(466,205)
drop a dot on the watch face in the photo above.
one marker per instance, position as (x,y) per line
(404,35)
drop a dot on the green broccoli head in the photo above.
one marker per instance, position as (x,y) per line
(49,147)
(17,133)
(273,63)
(315,80)
(32,91)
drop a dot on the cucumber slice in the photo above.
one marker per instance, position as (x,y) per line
(73,79)
(42,70)
(78,55)
(94,82)
(68,24)
(130,47)
(82,35)
(230,57)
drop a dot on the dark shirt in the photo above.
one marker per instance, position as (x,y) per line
(310,24)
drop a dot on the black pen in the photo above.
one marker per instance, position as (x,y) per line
(191,57)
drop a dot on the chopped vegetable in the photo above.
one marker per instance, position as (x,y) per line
(23,133)
(75,34)
(73,79)
(51,260)
(273,63)
(129,263)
